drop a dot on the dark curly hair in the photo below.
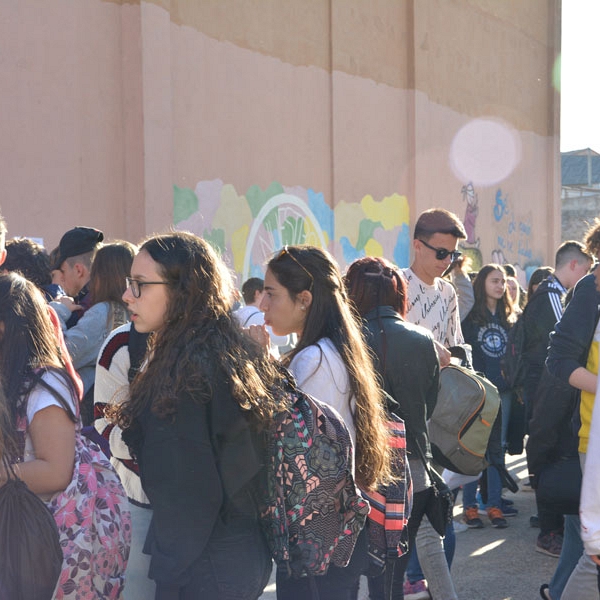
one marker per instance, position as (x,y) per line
(30,259)
(200,340)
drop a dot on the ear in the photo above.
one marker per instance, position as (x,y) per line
(305,299)
(2,256)
(80,270)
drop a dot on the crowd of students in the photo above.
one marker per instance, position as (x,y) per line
(144,347)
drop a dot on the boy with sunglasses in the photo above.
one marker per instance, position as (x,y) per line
(432,303)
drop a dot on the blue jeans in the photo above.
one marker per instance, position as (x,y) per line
(571,551)
(138,586)
(494,490)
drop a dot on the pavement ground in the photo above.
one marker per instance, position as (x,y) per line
(494,564)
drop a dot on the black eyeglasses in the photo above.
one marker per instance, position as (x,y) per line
(285,250)
(442,253)
(136,286)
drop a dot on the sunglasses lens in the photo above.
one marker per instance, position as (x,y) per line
(442,253)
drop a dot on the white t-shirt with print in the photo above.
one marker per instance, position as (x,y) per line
(434,307)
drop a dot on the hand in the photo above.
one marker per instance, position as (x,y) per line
(260,335)
(69,303)
(443,353)
(595,558)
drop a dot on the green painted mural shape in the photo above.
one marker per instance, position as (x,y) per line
(185,203)
(365,232)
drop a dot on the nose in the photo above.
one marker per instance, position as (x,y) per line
(127,295)
(262,305)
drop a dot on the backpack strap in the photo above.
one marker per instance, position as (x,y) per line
(250,316)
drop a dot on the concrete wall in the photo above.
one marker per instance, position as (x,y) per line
(262,122)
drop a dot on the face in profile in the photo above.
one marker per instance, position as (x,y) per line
(282,313)
(148,311)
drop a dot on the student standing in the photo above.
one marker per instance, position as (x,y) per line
(433,304)
(409,369)
(193,421)
(305,295)
(486,330)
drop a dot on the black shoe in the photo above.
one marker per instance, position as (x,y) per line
(545,591)
(534,522)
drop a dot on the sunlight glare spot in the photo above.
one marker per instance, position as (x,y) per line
(487,548)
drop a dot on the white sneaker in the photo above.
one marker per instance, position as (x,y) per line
(460,527)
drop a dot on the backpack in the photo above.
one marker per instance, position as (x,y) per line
(31,554)
(461,423)
(312,512)
(390,505)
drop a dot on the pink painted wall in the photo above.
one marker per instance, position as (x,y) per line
(354,116)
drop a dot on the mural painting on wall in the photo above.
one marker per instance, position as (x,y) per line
(513,241)
(470,246)
(248,228)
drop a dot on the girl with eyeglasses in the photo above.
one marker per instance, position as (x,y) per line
(194,420)
(305,295)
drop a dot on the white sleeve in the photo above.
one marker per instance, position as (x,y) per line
(41,398)
(589,507)
(112,385)
(454,335)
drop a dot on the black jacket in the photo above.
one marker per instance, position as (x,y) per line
(408,364)
(542,312)
(199,469)
(553,425)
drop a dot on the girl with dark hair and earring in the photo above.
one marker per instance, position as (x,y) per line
(194,422)
(305,295)
(408,366)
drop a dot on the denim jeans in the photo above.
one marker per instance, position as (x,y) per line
(572,549)
(583,582)
(138,586)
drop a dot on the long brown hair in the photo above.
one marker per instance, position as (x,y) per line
(28,348)
(505,309)
(330,315)
(200,341)
(112,264)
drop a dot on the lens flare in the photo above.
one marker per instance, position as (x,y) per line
(485,152)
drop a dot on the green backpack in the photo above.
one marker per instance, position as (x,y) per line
(461,423)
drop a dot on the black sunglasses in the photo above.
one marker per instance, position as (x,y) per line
(442,253)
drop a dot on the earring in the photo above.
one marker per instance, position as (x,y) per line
(303,307)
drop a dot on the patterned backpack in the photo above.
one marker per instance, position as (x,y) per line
(312,512)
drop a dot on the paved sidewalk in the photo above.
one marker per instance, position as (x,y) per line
(495,564)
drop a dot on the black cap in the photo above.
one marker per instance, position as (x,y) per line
(76,241)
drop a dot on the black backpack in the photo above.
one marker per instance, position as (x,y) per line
(30,553)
